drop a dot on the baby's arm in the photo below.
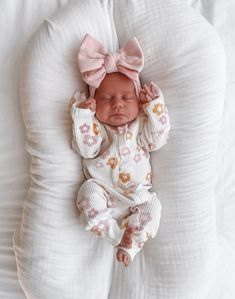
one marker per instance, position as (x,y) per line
(156,127)
(87,137)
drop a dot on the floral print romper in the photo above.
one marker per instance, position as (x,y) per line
(116,164)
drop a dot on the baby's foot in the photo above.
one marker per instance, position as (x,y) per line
(122,255)
(127,237)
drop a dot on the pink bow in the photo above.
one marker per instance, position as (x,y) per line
(95,61)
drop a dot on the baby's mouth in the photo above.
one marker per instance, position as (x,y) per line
(117,114)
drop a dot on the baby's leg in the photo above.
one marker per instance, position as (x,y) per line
(145,218)
(95,213)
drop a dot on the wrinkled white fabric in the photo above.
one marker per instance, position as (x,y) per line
(183,55)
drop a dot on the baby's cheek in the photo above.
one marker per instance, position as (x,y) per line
(101,115)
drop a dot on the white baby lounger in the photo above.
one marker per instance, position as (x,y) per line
(55,257)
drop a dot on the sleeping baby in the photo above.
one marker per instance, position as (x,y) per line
(114,130)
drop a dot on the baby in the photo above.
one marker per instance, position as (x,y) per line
(114,130)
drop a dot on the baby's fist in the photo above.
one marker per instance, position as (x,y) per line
(148,93)
(88,104)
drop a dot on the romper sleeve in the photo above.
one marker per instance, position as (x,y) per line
(87,138)
(156,125)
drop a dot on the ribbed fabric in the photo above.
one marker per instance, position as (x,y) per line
(107,215)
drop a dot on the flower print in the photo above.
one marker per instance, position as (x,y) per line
(84,128)
(157,134)
(137,158)
(112,162)
(128,135)
(148,176)
(111,201)
(124,177)
(99,164)
(124,151)
(158,109)
(105,155)
(145,217)
(95,129)
(92,213)
(89,140)
(162,119)
(84,204)
(138,148)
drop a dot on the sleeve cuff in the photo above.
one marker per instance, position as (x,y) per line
(80,112)
(148,107)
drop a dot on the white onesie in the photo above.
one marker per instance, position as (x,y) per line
(117,167)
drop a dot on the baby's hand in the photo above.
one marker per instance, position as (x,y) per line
(88,104)
(148,93)
(77,98)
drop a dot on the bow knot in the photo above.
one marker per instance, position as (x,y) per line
(95,61)
(110,62)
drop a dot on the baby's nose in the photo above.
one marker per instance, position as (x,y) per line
(117,103)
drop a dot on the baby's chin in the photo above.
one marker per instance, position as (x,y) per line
(115,123)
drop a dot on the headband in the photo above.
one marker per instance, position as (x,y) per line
(95,62)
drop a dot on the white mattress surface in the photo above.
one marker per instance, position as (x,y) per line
(18,22)
(221,14)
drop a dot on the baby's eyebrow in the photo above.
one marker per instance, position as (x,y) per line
(106,95)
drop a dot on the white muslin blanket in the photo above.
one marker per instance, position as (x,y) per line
(55,257)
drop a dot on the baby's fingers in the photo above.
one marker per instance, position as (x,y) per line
(93,105)
(154,89)
(148,90)
(142,95)
(142,90)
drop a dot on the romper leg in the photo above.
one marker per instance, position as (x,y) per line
(95,214)
(145,218)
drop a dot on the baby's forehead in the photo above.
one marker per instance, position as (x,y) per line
(116,84)
(120,91)
(116,88)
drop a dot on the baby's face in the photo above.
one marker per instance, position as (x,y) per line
(116,101)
